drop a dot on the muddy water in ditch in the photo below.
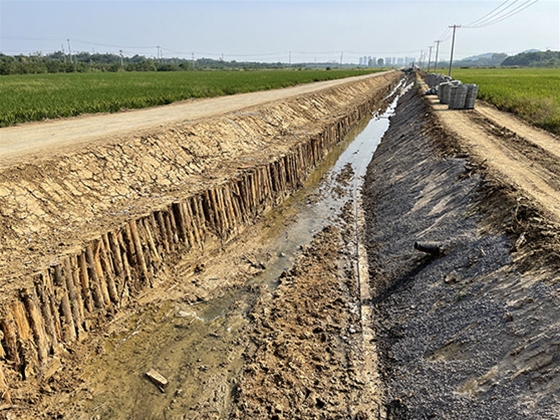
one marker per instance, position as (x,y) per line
(198,348)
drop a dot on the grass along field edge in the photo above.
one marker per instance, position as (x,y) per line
(25,98)
(532,94)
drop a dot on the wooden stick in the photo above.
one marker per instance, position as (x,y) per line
(30,301)
(106,266)
(94,279)
(108,255)
(128,283)
(179,220)
(196,223)
(155,233)
(54,306)
(173,225)
(45,304)
(116,253)
(8,327)
(163,231)
(68,327)
(73,295)
(201,217)
(84,281)
(188,222)
(96,246)
(139,253)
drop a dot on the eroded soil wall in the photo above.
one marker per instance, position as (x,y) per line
(85,233)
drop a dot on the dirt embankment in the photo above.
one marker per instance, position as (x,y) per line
(464,334)
(50,207)
(86,233)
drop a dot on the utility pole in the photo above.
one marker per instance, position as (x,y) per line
(69,50)
(452,49)
(430,57)
(122,60)
(341,54)
(437,53)
(192,61)
(63,52)
(290,59)
(420,62)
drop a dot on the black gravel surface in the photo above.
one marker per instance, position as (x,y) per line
(461,334)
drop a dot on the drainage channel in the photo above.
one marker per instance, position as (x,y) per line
(198,348)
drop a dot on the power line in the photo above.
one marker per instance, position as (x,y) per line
(489,15)
(512,13)
(499,18)
(445,35)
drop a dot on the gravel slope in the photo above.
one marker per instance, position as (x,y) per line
(462,335)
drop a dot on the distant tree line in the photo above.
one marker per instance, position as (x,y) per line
(534,59)
(82,62)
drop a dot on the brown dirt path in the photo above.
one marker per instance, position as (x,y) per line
(528,158)
(60,135)
(544,139)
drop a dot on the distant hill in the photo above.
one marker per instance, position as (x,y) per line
(534,59)
(479,57)
(482,60)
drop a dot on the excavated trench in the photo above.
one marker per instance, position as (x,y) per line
(59,290)
(200,344)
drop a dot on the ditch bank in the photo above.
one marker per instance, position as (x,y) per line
(468,332)
(86,234)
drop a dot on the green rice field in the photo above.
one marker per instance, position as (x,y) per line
(37,97)
(532,94)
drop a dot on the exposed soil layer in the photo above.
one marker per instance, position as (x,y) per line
(463,334)
(306,352)
(97,234)
(468,332)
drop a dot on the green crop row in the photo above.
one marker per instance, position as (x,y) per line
(532,94)
(31,97)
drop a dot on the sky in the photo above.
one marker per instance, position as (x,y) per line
(279,30)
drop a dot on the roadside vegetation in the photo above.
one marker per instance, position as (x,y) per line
(35,97)
(532,94)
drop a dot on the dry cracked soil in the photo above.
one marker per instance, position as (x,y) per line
(470,332)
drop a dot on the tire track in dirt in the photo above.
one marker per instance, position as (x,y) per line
(520,149)
(526,164)
(543,139)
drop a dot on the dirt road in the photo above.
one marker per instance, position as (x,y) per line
(44,138)
(529,158)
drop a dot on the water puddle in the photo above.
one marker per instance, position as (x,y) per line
(198,348)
